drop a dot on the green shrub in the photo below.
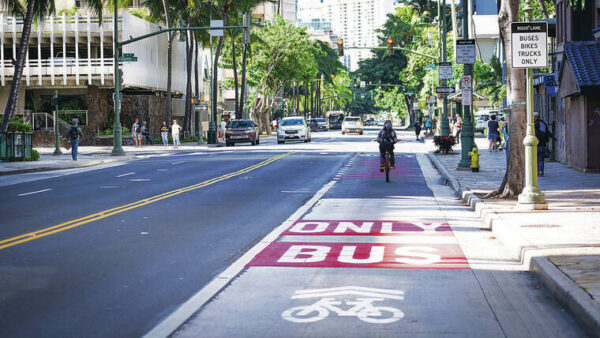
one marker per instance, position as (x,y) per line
(35,155)
(17,125)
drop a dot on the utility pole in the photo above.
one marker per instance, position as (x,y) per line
(467,134)
(444,120)
(56,131)
(117,139)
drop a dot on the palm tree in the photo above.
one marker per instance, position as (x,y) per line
(34,9)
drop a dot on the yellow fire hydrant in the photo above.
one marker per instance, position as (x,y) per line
(474,155)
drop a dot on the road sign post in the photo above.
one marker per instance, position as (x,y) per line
(466,54)
(529,50)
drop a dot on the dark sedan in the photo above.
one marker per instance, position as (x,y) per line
(242,131)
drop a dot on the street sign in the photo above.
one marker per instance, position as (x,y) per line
(445,70)
(128,58)
(444,90)
(128,55)
(415,105)
(467,97)
(465,51)
(467,82)
(529,44)
(216,23)
(430,67)
(363,84)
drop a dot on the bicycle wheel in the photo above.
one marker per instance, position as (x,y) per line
(381,315)
(387,167)
(304,314)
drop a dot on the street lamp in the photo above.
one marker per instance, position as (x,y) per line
(117,140)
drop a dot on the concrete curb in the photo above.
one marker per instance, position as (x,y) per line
(78,165)
(584,309)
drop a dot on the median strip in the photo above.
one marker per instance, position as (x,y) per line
(9,242)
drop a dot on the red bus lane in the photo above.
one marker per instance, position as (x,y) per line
(365,244)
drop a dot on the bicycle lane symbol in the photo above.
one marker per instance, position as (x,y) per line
(363,306)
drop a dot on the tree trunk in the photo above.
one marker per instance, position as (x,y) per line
(197,115)
(243,84)
(215,83)
(238,112)
(509,12)
(312,102)
(15,86)
(169,61)
(543,7)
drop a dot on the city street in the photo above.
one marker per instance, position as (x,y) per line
(294,240)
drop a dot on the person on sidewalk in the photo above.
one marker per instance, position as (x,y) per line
(146,133)
(457,128)
(135,133)
(74,135)
(164,133)
(543,135)
(175,128)
(387,138)
(418,128)
(428,126)
(493,132)
(504,130)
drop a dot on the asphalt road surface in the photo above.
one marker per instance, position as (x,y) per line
(115,252)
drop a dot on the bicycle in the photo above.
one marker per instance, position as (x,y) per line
(387,162)
(362,308)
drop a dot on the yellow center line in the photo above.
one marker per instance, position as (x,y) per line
(30,236)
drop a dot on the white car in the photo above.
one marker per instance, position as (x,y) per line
(293,129)
(352,124)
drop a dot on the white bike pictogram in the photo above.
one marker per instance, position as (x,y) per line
(361,307)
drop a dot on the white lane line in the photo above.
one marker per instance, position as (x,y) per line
(187,309)
(139,180)
(162,169)
(174,163)
(126,174)
(34,192)
(296,191)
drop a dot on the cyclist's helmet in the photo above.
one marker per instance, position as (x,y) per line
(387,125)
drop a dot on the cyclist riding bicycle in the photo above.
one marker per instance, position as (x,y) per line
(387,138)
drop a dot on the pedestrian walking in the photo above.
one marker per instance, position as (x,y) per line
(543,135)
(274,125)
(457,128)
(492,129)
(136,133)
(428,125)
(164,133)
(74,135)
(175,128)
(146,133)
(417,129)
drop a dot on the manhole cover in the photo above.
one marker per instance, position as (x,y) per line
(543,226)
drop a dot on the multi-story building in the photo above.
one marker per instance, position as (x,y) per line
(356,21)
(71,53)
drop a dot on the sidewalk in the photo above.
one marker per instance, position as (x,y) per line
(561,244)
(89,156)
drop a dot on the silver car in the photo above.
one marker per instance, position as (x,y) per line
(293,129)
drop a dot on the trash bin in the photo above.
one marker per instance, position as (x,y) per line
(15,146)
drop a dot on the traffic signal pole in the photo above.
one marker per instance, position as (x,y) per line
(444,120)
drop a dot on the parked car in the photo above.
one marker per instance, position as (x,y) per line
(370,122)
(317,124)
(352,124)
(293,129)
(482,118)
(242,131)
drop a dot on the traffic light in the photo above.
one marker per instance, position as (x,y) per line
(355,83)
(390,43)
(340,47)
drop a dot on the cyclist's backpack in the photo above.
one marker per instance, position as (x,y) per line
(73,133)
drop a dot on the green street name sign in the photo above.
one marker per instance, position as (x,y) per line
(128,58)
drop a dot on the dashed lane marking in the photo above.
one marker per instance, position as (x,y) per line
(126,174)
(33,192)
